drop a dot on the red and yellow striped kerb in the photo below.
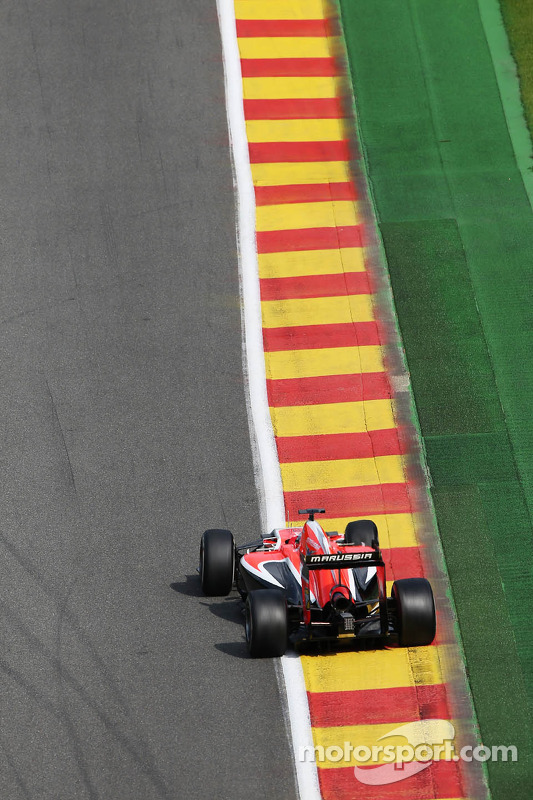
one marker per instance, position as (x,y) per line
(328,388)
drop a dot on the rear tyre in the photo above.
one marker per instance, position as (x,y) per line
(415,611)
(217,562)
(266,623)
(362,531)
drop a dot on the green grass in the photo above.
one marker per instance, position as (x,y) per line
(457,230)
(518,19)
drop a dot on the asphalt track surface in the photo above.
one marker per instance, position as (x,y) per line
(124,430)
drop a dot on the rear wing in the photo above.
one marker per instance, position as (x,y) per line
(344,560)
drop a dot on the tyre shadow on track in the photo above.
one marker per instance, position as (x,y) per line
(230,609)
(235,649)
(190,586)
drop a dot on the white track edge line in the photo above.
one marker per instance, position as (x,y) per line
(266,464)
(268,476)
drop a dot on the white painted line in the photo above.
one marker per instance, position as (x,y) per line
(266,464)
(268,476)
(299,724)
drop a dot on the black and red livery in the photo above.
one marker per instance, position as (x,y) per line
(305,584)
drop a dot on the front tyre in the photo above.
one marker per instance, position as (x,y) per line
(217,562)
(415,611)
(266,623)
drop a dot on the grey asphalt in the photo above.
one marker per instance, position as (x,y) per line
(122,414)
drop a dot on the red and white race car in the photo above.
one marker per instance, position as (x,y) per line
(302,584)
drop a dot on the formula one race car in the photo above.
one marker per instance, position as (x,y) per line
(301,584)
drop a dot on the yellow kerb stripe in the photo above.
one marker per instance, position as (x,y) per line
(285,46)
(332,418)
(395,530)
(300,476)
(311,262)
(373,669)
(317,311)
(289,88)
(279,9)
(323,361)
(296,130)
(434,730)
(297,216)
(286,173)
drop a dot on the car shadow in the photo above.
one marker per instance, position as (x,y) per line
(191,587)
(234,649)
(228,608)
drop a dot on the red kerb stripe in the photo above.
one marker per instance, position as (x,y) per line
(288,67)
(375,706)
(353,501)
(282,27)
(304,193)
(311,337)
(301,108)
(309,239)
(403,562)
(327,447)
(442,779)
(291,152)
(328,389)
(305,286)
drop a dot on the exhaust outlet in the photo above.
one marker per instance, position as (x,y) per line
(341,599)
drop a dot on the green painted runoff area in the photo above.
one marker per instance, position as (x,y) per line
(457,229)
(518,17)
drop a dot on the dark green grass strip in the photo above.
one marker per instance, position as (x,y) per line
(458,234)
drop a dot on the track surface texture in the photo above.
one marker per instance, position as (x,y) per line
(124,430)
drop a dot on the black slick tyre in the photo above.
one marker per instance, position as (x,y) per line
(361,531)
(266,623)
(415,611)
(217,562)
